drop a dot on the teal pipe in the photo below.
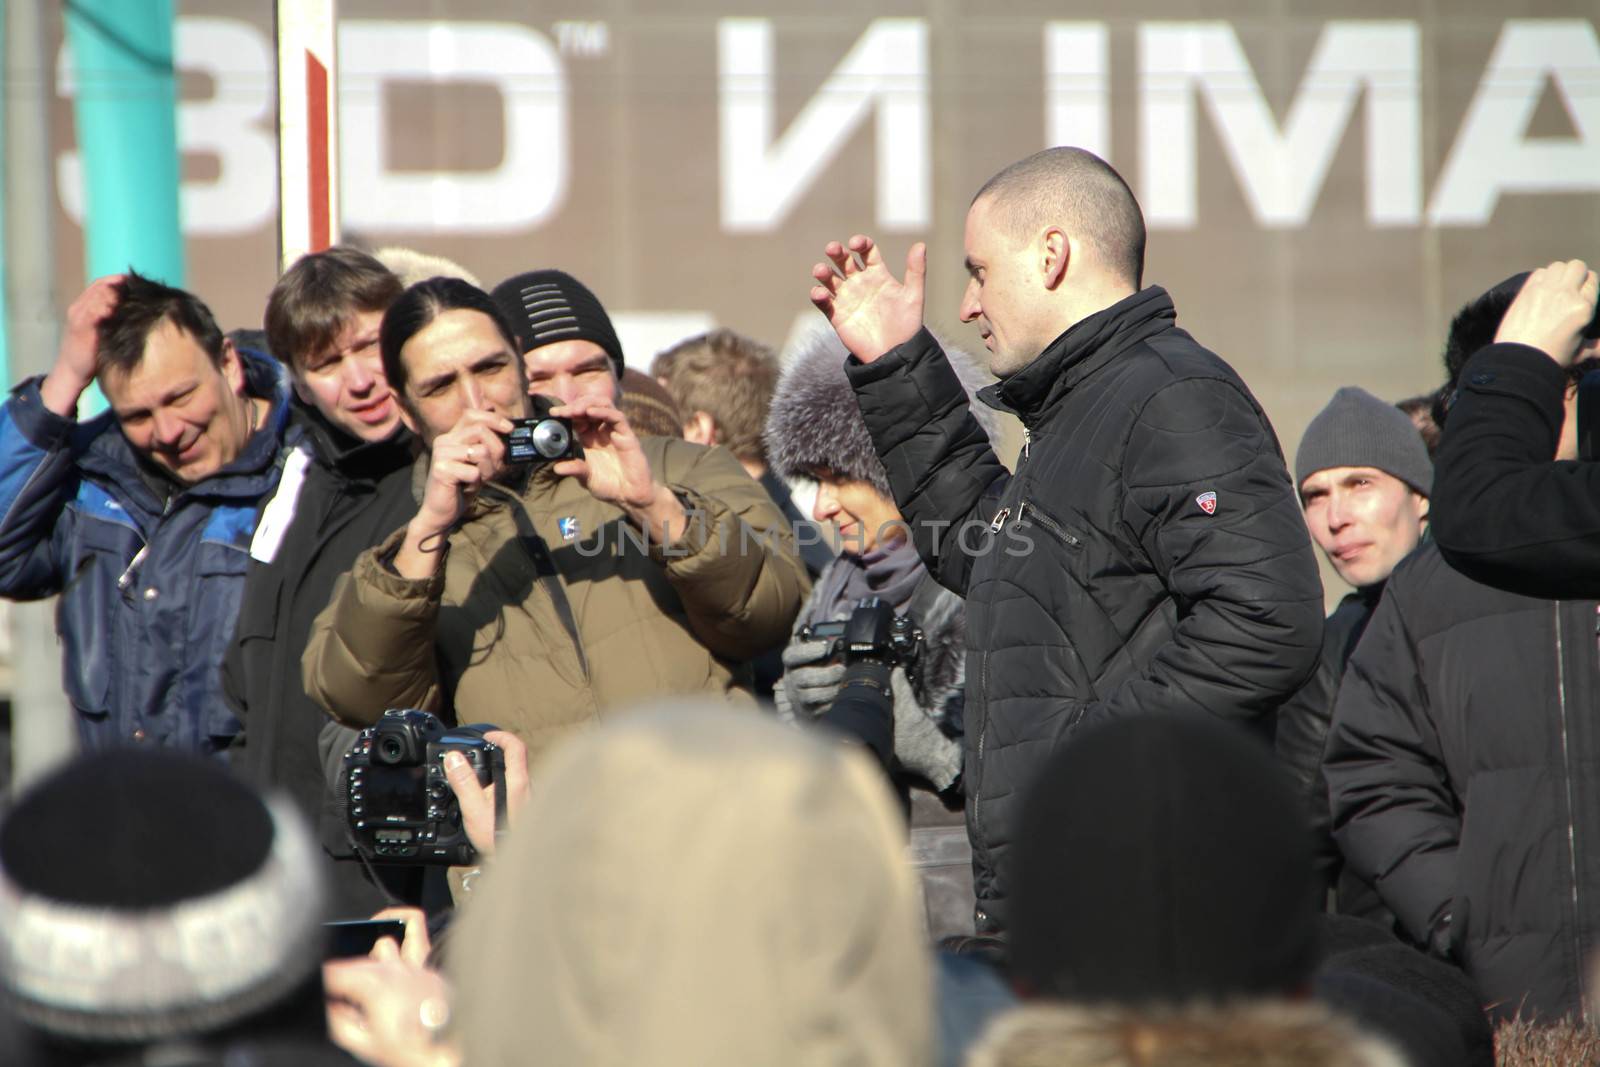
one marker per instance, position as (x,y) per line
(126,111)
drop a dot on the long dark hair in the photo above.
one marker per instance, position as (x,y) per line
(420,305)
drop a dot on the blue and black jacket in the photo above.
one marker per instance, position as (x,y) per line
(149,590)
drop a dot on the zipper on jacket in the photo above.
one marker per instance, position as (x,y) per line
(1000,520)
(1044,520)
(1027,441)
(1566,768)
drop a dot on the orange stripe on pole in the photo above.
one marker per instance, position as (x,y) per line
(317,149)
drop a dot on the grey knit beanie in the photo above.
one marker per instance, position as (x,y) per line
(814,421)
(1357,429)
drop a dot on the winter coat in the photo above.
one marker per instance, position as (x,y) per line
(339,496)
(149,589)
(1463,772)
(549,611)
(693,887)
(1303,735)
(1148,553)
(939,678)
(1502,511)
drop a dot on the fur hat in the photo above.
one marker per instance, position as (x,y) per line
(412,266)
(147,895)
(814,422)
(547,306)
(1265,1033)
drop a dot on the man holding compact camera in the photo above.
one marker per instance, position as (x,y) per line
(540,595)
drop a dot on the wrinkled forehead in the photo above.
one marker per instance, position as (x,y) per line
(565,357)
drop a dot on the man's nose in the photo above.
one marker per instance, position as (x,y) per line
(168,428)
(824,507)
(970,308)
(1337,519)
(471,394)
(358,376)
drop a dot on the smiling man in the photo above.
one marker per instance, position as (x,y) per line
(142,518)
(1364,478)
(1170,571)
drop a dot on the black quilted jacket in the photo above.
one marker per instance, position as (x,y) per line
(1148,553)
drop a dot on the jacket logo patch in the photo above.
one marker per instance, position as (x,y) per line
(568,525)
(1207,502)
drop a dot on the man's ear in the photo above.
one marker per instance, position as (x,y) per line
(1055,254)
(232,367)
(701,429)
(301,390)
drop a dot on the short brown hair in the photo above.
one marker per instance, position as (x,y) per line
(317,296)
(730,377)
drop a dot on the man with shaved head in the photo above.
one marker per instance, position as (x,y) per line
(1147,554)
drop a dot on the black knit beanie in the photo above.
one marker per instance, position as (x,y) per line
(148,895)
(1357,429)
(1162,858)
(546,306)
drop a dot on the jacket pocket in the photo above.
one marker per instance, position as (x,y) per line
(1031,514)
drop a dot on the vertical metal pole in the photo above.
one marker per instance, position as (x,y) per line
(43,730)
(308,128)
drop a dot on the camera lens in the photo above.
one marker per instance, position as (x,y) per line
(391,749)
(550,438)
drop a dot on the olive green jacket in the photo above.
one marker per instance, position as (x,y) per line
(550,609)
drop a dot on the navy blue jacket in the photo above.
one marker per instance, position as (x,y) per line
(143,644)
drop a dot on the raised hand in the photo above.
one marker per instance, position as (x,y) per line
(77,358)
(462,461)
(613,467)
(869,308)
(1551,311)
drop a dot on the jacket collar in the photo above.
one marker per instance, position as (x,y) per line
(1082,350)
(346,454)
(110,455)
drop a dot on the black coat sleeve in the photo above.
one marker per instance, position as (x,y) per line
(1503,511)
(1395,816)
(941,467)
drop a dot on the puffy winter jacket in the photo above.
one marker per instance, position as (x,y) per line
(1502,511)
(149,592)
(1463,771)
(546,615)
(1148,553)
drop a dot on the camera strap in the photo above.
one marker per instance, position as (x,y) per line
(545,570)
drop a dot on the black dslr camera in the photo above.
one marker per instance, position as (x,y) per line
(872,634)
(401,807)
(543,438)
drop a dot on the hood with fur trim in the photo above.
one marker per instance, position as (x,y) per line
(814,422)
(1263,1033)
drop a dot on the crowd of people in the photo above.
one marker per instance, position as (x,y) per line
(1101,787)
